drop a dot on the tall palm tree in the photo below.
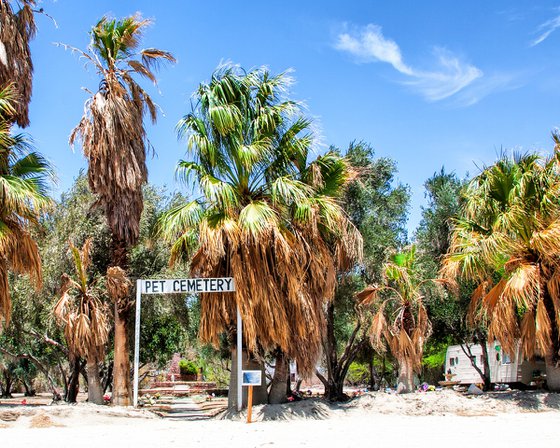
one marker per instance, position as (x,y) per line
(17,29)
(113,139)
(507,239)
(84,316)
(265,216)
(23,200)
(400,319)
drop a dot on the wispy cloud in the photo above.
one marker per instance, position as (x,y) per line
(370,45)
(546,29)
(494,83)
(449,76)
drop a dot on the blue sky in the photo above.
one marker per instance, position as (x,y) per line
(429,84)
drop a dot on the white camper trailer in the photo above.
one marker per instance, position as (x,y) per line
(503,367)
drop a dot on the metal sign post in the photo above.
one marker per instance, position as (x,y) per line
(183,286)
(239,361)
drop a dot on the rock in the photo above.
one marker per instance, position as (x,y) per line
(401,389)
(474,390)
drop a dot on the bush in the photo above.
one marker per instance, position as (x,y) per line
(358,374)
(187,367)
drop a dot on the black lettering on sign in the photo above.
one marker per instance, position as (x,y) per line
(198,285)
(191,285)
(228,283)
(148,286)
(176,285)
(155,286)
(213,284)
(219,284)
(183,286)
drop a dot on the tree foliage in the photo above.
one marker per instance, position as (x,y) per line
(268,216)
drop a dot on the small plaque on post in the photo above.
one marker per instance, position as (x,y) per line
(252,378)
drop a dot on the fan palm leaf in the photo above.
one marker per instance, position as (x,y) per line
(260,219)
(24,200)
(515,211)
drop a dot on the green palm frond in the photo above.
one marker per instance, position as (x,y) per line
(184,217)
(257,218)
(286,190)
(24,188)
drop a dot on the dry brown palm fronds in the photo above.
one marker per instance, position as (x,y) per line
(378,330)
(18,253)
(400,318)
(506,328)
(547,240)
(280,291)
(5,300)
(553,286)
(494,296)
(20,250)
(118,287)
(523,284)
(16,66)
(543,327)
(113,139)
(80,309)
(528,335)
(474,310)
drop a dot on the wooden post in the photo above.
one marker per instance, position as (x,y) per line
(249,404)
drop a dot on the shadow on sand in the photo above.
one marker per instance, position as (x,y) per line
(312,409)
(530,400)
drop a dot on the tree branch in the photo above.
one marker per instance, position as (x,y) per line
(472,359)
(321,378)
(32,359)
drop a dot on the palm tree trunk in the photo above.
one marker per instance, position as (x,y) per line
(406,376)
(552,372)
(278,389)
(260,395)
(7,392)
(95,391)
(121,368)
(73,382)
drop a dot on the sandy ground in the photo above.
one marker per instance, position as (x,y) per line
(416,420)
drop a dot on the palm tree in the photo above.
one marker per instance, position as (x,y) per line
(23,200)
(17,29)
(400,319)
(84,316)
(265,217)
(113,139)
(507,240)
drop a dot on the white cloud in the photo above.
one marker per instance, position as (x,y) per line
(497,82)
(370,45)
(449,76)
(546,29)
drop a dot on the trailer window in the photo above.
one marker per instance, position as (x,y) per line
(451,362)
(506,359)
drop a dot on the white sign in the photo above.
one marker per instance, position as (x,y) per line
(251,378)
(187,285)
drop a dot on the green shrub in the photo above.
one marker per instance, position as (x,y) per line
(187,367)
(357,374)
